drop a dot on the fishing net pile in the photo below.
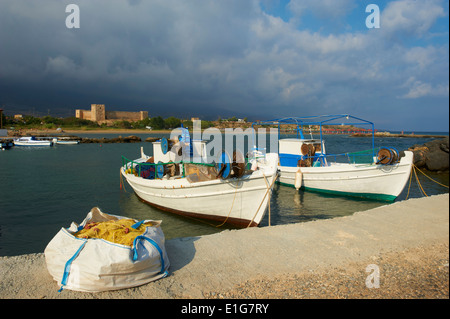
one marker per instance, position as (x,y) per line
(119,231)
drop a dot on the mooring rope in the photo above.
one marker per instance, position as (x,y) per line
(267,191)
(413,169)
(430,177)
(235,191)
(418,182)
(267,185)
(122,184)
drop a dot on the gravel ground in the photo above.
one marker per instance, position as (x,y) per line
(418,273)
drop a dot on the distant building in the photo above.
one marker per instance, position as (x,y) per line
(99,114)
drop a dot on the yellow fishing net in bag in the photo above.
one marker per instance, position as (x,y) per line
(115,231)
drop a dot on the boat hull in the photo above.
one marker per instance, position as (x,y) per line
(379,182)
(239,202)
(33,144)
(67,142)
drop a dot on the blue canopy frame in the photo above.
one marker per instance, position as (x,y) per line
(318,120)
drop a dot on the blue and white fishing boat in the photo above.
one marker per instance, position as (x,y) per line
(378,173)
(221,192)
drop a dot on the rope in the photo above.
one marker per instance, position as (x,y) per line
(267,185)
(410,179)
(267,191)
(430,177)
(418,182)
(235,192)
(122,184)
(413,169)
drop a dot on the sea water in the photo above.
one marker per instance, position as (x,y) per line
(43,189)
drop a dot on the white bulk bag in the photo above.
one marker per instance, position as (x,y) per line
(94,265)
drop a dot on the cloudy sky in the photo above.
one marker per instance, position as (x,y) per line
(260,59)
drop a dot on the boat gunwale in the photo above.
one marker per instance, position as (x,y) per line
(333,167)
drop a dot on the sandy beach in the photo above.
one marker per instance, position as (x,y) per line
(408,241)
(117,131)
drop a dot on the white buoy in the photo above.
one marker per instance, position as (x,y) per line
(298,179)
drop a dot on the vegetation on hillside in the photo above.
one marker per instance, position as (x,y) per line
(49,122)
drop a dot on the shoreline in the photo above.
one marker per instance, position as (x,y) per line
(146,131)
(96,131)
(118,131)
(398,135)
(317,259)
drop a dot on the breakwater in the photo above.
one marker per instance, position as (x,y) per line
(388,134)
(120,139)
(432,155)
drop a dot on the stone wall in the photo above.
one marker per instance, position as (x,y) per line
(83,114)
(129,116)
(99,114)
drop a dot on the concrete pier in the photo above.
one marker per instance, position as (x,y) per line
(218,262)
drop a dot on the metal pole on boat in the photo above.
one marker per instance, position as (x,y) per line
(373,141)
(321,138)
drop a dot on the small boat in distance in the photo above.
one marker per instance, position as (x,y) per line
(67,142)
(378,173)
(6,144)
(233,190)
(31,141)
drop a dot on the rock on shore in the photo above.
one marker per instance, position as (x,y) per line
(120,139)
(432,155)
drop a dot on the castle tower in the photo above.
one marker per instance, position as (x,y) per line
(143,115)
(98,112)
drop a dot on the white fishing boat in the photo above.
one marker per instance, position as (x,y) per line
(228,191)
(378,173)
(31,141)
(67,142)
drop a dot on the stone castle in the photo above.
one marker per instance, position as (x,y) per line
(99,114)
